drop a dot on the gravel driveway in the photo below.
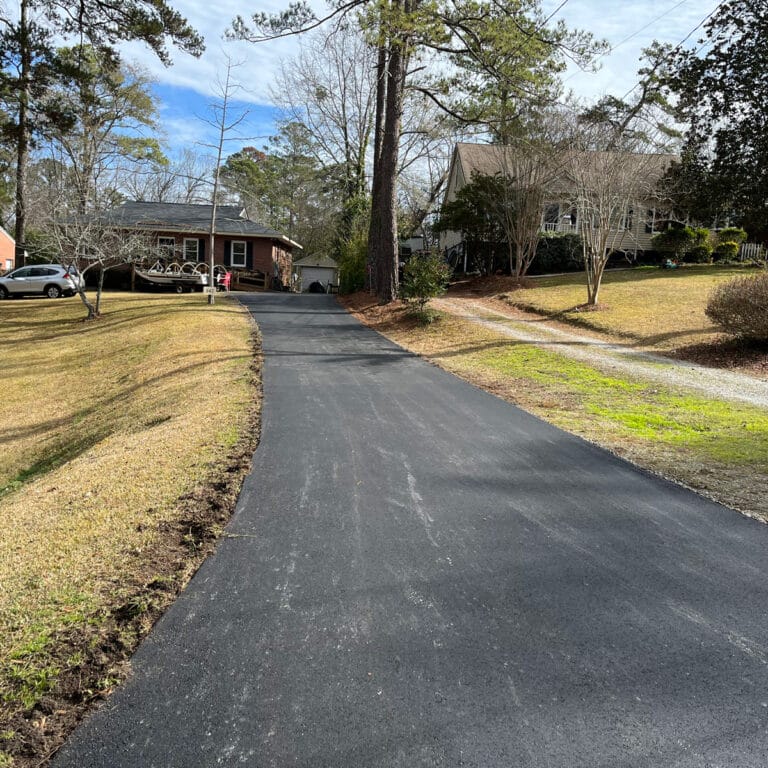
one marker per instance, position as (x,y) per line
(608,357)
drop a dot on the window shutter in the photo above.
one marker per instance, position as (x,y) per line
(227,253)
(201,250)
(249,256)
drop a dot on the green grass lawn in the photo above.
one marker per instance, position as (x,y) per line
(661,309)
(105,425)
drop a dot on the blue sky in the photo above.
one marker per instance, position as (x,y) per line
(187,89)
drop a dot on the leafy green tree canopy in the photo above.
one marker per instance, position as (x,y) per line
(722,91)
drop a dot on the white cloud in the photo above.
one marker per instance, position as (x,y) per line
(258,62)
(190,85)
(641,22)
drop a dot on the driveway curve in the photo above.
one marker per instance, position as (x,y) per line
(420,574)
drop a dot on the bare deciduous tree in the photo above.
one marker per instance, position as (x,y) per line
(330,88)
(91,246)
(608,188)
(532,172)
(183,179)
(224,123)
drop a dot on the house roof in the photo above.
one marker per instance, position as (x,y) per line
(485,159)
(190,218)
(316,261)
(7,234)
(490,159)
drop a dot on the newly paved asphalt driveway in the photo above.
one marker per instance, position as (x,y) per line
(419,574)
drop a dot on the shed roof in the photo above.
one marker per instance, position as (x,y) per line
(316,261)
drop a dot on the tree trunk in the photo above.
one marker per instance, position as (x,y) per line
(99,290)
(385,208)
(22,143)
(386,211)
(594,270)
(92,314)
(374,229)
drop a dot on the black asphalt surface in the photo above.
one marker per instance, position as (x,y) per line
(419,574)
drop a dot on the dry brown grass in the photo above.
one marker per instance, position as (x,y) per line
(105,426)
(659,309)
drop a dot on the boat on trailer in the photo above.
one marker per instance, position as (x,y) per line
(183,277)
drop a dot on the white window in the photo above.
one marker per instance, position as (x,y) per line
(238,253)
(191,248)
(656,220)
(551,217)
(166,247)
(9,263)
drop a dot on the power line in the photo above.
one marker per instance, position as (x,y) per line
(685,39)
(637,32)
(649,24)
(557,10)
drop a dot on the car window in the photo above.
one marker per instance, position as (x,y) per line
(49,271)
(37,272)
(23,272)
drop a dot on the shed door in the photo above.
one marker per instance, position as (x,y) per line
(310,274)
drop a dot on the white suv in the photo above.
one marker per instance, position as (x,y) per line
(51,280)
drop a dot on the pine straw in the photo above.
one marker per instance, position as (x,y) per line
(125,442)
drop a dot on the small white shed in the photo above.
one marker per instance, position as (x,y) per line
(316,269)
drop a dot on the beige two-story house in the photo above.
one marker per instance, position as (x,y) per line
(564,205)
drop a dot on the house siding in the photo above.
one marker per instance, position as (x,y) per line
(635,239)
(263,255)
(267,251)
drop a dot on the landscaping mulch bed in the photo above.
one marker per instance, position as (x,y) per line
(742,356)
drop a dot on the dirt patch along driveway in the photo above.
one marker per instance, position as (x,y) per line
(610,356)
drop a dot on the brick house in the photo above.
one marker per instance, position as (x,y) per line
(181,232)
(7,251)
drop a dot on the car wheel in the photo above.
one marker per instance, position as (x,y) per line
(52,291)
(4,293)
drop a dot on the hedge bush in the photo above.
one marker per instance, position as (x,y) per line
(726,251)
(426,276)
(732,235)
(699,254)
(558,252)
(740,307)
